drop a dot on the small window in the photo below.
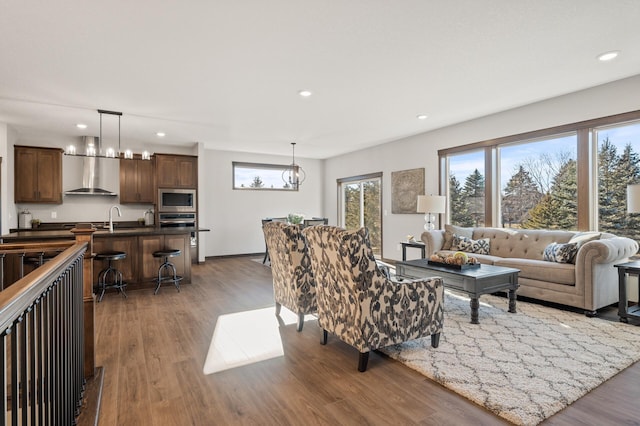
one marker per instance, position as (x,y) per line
(256,176)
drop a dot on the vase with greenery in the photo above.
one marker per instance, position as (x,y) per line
(295,219)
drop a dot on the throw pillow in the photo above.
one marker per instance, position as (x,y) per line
(462,243)
(561,253)
(584,237)
(450,230)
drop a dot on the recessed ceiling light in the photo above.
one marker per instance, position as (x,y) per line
(421,116)
(160,134)
(81,126)
(608,56)
(305,93)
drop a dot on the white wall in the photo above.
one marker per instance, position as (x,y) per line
(234,215)
(422,150)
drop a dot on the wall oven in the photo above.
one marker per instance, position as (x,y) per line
(182,220)
(176,200)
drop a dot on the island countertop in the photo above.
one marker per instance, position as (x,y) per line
(139,267)
(62,234)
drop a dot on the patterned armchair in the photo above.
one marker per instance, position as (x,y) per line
(293,283)
(359,304)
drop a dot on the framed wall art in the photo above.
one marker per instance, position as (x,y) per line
(406,185)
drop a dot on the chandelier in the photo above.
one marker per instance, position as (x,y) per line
(293,175)
(91,150)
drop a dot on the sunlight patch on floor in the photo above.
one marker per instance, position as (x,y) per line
(246,337)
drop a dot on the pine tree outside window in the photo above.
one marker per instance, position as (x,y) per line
(538,188)
(466,189)
(618,166)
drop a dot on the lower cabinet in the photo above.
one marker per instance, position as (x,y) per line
(140,267)
(128,266)
(149,265)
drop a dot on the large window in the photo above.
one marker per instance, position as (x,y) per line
(361,206)
(618,166)
(256,176)
(466,188)
(571,177)
(538,184)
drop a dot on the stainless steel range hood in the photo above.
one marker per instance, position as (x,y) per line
(91,171)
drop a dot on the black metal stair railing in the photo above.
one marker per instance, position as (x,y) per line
(42,343)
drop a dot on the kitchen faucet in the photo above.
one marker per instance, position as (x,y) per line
(111,216)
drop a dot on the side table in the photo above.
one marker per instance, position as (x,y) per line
(415,244)
(624,310)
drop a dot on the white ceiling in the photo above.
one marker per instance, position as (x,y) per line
(228,73)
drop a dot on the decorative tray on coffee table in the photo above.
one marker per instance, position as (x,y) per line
(454,266)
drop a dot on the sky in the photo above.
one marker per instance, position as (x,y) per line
(511,156)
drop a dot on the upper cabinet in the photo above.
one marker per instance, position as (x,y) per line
(176,171)
(38,175)
(136,181)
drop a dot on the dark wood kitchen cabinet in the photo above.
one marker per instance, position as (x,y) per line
(128,266)
(177,171)
(38,175)
(137,181)
(149,265)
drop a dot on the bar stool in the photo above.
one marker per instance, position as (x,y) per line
(110,277)
(171,275)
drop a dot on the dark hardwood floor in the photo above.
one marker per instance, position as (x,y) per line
(153,349)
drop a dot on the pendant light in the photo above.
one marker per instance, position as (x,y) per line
(294,175)
(96,151)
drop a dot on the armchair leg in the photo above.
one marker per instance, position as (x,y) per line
(435,340)
(363,360)
(300,321)
(323,340)
(278,307)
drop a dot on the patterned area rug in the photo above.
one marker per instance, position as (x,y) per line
(526,366)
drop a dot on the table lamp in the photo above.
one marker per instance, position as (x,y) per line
(633,198)
(430,204)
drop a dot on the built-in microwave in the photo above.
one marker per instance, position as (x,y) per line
(176,200)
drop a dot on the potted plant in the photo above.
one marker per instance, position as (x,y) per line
(295,219)
(35,223)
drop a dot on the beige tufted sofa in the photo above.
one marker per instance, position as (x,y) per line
(590,284)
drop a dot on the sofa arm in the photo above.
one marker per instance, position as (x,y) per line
(608,250)
(433,241)
(596,278)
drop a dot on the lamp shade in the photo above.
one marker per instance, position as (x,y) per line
(633,198)
(432,203)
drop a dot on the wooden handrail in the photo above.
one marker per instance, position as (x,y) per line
(17,297)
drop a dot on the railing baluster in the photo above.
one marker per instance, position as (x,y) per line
(2,259)
(15,381)
(21,267)
(3,376)
(33,358)
(42,342)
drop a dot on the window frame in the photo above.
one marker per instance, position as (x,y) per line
(266,166)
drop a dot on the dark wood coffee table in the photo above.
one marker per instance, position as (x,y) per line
(475,282)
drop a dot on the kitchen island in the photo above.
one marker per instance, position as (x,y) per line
(139,268)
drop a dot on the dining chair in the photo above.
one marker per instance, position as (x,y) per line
(315,221)
(267,220)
